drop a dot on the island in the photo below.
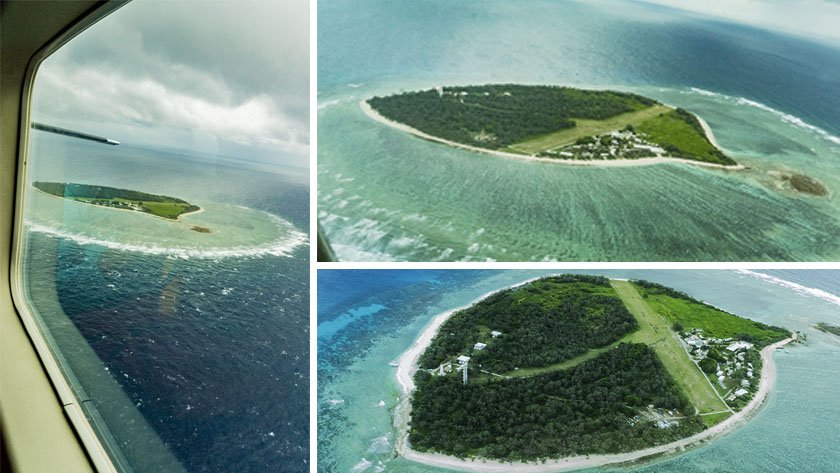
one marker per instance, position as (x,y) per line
(574,371)
(805,184)
(552,123)
(123,199)
(828,328)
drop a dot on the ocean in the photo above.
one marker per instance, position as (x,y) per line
(768,97)
(796,430)
(193,347)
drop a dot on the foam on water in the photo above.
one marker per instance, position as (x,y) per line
(380,444)
(282,247)
(786,117)
(798,288)
(362,466)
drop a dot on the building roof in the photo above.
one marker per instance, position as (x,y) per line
(740,345)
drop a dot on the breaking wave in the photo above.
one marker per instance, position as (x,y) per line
(380,445)
(786,117)
(327,104)
(283,246)
(362,466)
(798,288)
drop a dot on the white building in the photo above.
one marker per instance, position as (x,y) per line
(740,345)
(495,333)
(480,346)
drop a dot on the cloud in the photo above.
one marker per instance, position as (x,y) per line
(164,73)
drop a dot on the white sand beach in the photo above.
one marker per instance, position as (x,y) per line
(373,114)
(407,366)
(709,134)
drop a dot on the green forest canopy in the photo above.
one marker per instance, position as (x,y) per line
(578,411)
(543,322)
(509,112)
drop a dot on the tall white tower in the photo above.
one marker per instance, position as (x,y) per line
(464,361)
(465,370)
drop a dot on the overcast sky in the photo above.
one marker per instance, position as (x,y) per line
(818,19)
(217,77)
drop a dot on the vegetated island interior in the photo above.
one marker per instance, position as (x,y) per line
(553,122)
(828,328)
(124,199)
(576,365)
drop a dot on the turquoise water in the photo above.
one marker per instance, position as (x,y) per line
(795,431)
(386,195)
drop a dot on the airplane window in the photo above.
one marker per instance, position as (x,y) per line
(164,245)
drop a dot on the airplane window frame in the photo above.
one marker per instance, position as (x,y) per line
(91,431)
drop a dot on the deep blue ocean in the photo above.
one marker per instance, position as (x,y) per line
(603,42)
(207,339)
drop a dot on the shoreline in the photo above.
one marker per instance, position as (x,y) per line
(407,366)
(708,130)
(376,116)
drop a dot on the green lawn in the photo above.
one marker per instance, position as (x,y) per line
(669,129)
(655,332)
(715,323)
(167,209)
(585,128)
(713,419)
